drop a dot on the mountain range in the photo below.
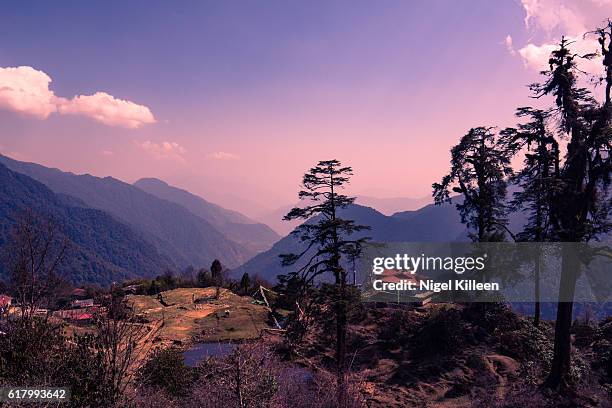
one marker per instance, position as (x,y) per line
(121,230)
(387,206)
(101,249)
(390,206)
(174,233)
(429,224)
(253,235)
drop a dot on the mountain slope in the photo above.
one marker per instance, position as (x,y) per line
(100,248)
(392,205)
(432,223)
(177,233)
(275,220)
(429,224)
(237,227)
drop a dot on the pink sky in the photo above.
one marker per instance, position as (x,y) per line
(237,112)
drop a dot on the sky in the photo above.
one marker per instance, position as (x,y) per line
(235,100)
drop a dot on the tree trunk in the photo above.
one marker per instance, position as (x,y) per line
(341,327)
(536,315)
(560,367)
(557,378)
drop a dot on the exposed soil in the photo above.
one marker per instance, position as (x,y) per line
(455,356)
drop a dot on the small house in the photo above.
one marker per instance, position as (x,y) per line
(79,315)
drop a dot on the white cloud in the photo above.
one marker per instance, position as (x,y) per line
(223,156)
(536,56)
(164,150)
(572,18)
(109,110)
(26,90)
(555,14)
(107,153)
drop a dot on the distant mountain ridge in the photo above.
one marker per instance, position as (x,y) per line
(101,249)
(428,224)
(386,206)
(174,231)
(431,223)
(275,220)
(166,227)
(253,235)
(389,206)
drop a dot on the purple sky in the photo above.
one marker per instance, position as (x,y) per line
(235,100)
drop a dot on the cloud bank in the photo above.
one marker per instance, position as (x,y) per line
(572,18)
(25,90)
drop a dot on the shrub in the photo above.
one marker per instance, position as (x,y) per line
(584,333)
(476,362)
(248,377)
(36,353)
(166,369)
(397,329)
(492,317)
(441,333)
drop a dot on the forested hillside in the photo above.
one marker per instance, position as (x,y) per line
(183,237)
(100,248)
(253,235)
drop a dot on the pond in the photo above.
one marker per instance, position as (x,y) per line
(199,351)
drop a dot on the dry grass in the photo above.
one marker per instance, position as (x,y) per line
(205,320)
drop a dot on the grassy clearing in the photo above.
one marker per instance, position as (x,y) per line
(229,318)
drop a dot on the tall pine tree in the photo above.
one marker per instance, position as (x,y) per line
(536,181)
(328,239)
(580,206)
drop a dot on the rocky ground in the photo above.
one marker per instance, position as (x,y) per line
(464,356)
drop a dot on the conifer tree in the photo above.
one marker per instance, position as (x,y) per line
(480,165)
(580,206)
(328,239)
(245,283)
(216,272)
(536,181)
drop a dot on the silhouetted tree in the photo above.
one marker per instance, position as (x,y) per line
(188,273)
(581,205)
(216,270)
(604,38)
(537,180)
(167,281)
(480,165)
(36,250)
(328,239)
(154,288)
(245,283)
(122,343)
(203,278)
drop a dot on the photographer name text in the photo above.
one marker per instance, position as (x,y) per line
(434,286)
